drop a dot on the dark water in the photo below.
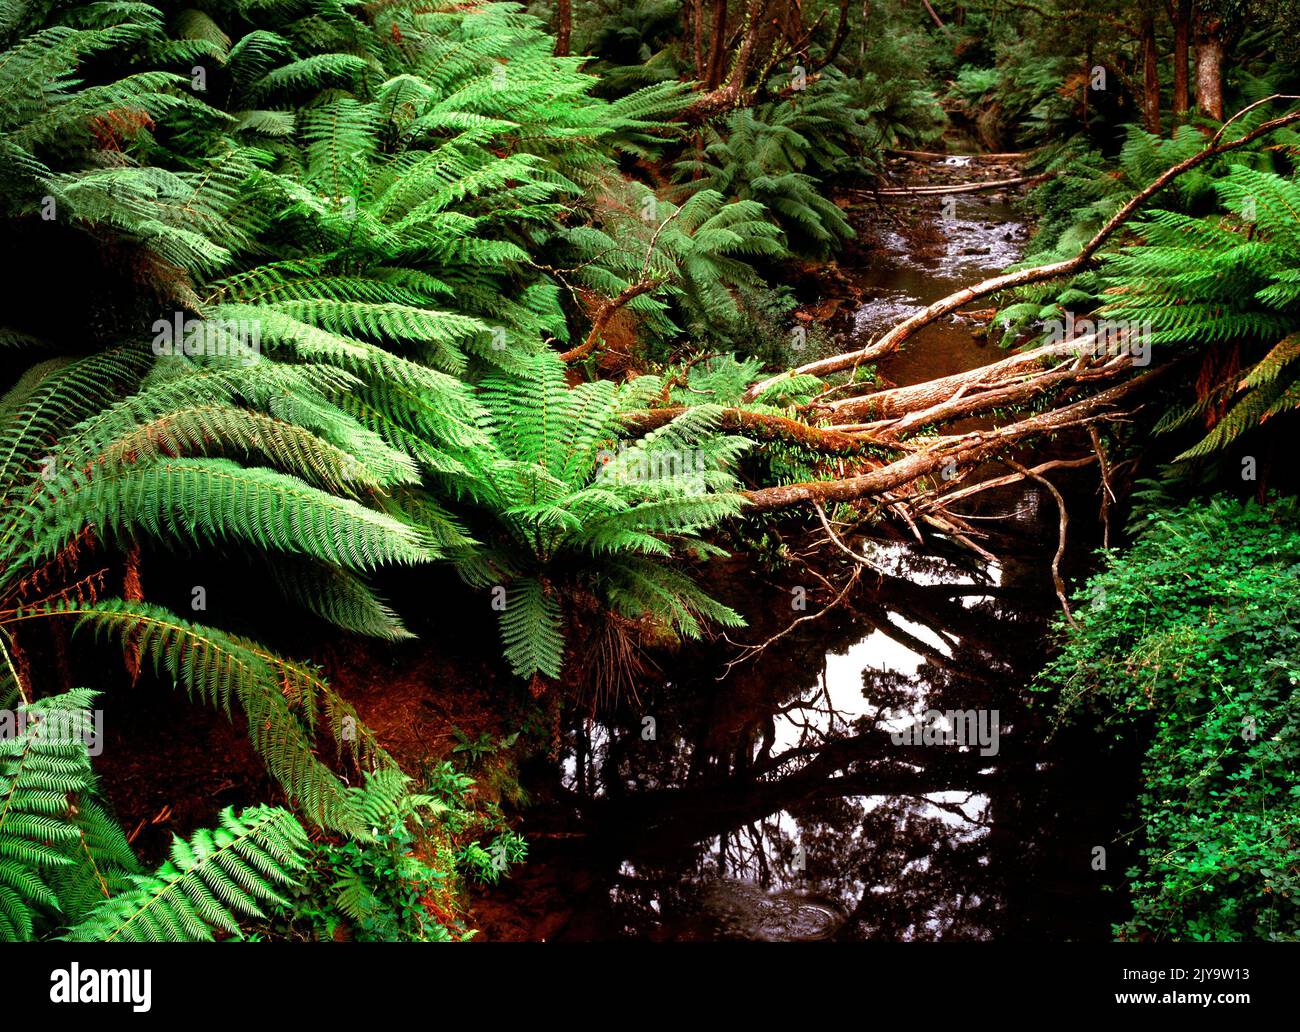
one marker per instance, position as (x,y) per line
(768,800)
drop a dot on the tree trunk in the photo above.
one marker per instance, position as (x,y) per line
(1181,16)
(1151,75)
(1211,47)
(841,34)
(563,27)
(697,24)
(726,95)
(717,45)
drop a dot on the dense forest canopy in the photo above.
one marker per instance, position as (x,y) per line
(329,324)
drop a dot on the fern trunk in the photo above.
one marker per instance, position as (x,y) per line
(1211,50)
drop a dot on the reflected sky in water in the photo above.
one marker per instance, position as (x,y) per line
(777,790)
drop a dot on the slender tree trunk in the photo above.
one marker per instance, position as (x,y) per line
(1211,48)
(726,95)
(841,34)
(1151,75)
(749,36)
(697,18)
(1087,83)
(1181,16)
(717,45)
(563,27)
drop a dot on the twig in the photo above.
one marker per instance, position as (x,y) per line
(748,652)
(629,293)
(835,539)
(942,500)
(1107,495)
(1057,582)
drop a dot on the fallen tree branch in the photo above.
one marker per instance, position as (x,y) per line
(971,404)
(835,539)
(763,426)
(900,402)
(943,191)
(964,450)
(1006,156)
(1036,274)
(950,529)
(943,500)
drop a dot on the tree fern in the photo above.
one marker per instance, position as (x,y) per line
(215,500)
(59,849)
(565,507)
(1227,280)
(393,197)
(75,465)
(759,156)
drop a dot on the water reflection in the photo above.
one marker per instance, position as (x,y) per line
(774,803)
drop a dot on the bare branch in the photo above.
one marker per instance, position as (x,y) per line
(1064,524)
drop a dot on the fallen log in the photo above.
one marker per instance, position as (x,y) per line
(984,401)
(926,155)
(892,340)
(967,394)
(899,401)
(943,191)
(965,450)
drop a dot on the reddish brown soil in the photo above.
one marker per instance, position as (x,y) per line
(412,696)
(169,765)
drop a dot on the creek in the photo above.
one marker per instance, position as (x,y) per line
(772,800)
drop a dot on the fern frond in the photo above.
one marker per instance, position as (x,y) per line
(207,884)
